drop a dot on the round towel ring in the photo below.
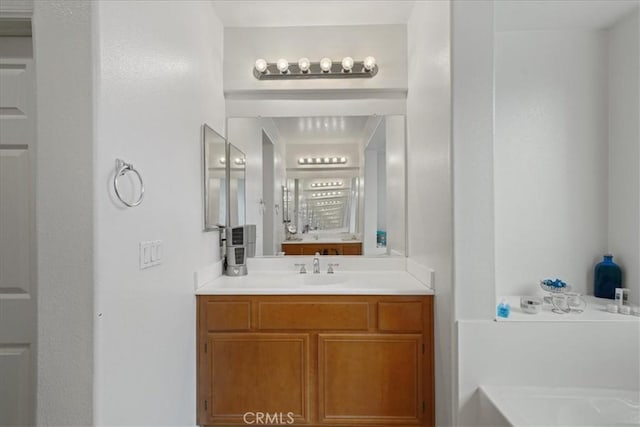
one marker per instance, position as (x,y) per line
(121,169)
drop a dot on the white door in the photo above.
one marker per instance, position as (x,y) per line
(17,242)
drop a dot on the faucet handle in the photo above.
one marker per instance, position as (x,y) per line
(303,269)
(330,270)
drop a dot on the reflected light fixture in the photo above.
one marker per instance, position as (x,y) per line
(329,160)
(327,184)
(303,68)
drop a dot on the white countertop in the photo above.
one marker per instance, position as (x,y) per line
(385,282)
(320,241)
(596,310)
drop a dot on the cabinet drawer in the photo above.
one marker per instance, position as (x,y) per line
(228,315)
(400,316)
(352,316)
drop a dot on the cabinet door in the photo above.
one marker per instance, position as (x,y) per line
(372,379)
(256,374)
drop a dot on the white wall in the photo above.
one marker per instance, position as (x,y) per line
(624,150)
(429,176)
(472,64)
(159,78)
(550,152)
(244,45)
(62,35)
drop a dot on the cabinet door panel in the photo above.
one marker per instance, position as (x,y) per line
(266,373)
(373,379)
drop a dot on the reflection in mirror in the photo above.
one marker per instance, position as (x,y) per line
(213,154)
(339,181)
(237,167)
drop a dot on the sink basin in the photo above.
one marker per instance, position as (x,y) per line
(323,279)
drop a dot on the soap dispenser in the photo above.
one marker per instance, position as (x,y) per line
(607,277)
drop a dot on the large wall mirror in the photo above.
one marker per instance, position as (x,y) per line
(334,185)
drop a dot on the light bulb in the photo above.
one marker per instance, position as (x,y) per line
(282,65)
(325,65)
(343,160)
(347,63)
(304,64)
(369,63)
(261,65)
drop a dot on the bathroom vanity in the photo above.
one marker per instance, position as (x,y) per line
(306,247)
(316,349)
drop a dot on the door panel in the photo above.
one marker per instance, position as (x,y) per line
(266,373)
(17,242)
(374,379)
(14,368)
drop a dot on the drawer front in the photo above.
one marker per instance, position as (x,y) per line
(400,316)
(353,316)
(228,315)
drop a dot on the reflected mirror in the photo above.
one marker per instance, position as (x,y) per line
(334,185)
(214,155)
(237,166)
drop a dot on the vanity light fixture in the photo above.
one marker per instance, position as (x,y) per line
(305,69)
(322,160)
(304,64)
(329,202)
(261,66)
(283,66)
(327,194)
(325,65)
(369,63)
(327,184)
(347,64)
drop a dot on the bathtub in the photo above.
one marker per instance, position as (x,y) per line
(553,406)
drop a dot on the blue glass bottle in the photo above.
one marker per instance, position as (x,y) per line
(607,278)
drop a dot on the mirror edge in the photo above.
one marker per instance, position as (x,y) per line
(205,188)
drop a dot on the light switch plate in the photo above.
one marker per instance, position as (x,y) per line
(150,253)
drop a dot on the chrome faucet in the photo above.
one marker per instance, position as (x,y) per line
(316,263)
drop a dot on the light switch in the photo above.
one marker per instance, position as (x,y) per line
(150,253)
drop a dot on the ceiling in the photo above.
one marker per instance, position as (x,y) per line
(523,15)
(294,13)
(323,130)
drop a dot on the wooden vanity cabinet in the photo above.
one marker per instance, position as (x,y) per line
(315,360)
(322,248)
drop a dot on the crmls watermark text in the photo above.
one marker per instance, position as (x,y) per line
(265,418)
